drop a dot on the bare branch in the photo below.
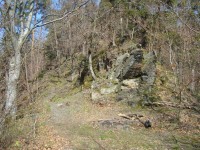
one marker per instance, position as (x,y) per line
(66,14)
(30,16)
(173,11)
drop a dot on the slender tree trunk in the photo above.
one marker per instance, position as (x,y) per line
(32,65)
(170,54)
(56,40)
(72,68)
(84,49)
(132,33)
(122,29)
(127,23)
(12,78)
(193,80)
(32,72)
(91,68)
(57,49)
(26,73)
(114,34)
(95,24)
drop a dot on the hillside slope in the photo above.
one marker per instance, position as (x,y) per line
(67,118)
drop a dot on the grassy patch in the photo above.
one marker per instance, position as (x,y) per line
(89,137)
(74,90)
(57,98)
(48,107)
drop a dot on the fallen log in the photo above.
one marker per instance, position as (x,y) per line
(130,116)
(183,106)
(147,123)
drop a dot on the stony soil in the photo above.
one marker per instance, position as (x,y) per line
(97,126)
(69,120)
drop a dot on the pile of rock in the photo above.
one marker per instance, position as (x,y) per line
(130,71)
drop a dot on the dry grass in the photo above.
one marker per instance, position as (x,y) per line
(66,121)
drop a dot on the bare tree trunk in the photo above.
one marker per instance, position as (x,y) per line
(32,72)
(122,29)
(114,34)
(132,33)
(32,68)
(12,78)
(91,68)
(56,40)
(84,49)
(26,73)
(57,49)
(170,53)
(39,65)
(72,68)
(193,80)
(94,28)
(127,23)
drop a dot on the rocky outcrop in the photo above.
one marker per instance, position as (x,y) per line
(129,92)
(149,68)
(130,74)
(118,67)
(131,83)
(128,66)
(132,66)
(101,89)
(109,90)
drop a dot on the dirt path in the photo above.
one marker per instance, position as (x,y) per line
(77,119)
(74,117)
(72,122)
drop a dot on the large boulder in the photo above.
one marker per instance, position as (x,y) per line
(101,89)
(119,65)
(138,75)
(132,66)
(109,90)
(132,74)
(130,83)
(129,92)
(149,68)
(128,96)
(128,66)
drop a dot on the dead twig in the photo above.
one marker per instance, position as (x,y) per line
(146,123)
(98,143)
(172,105)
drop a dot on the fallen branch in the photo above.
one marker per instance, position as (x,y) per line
(146,123)
(130,116)
(98,143)
(156,104)
(125,116)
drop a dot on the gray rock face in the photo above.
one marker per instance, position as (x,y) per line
(131,83)
(132,66)
(95,94)
(149,68)
(102,89)
(121,59)
(118,66)
(126,76)
(136,68)
(127,95)
(112,89)
(128,66)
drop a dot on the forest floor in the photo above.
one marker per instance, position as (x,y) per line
(84,125)
(70,121)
